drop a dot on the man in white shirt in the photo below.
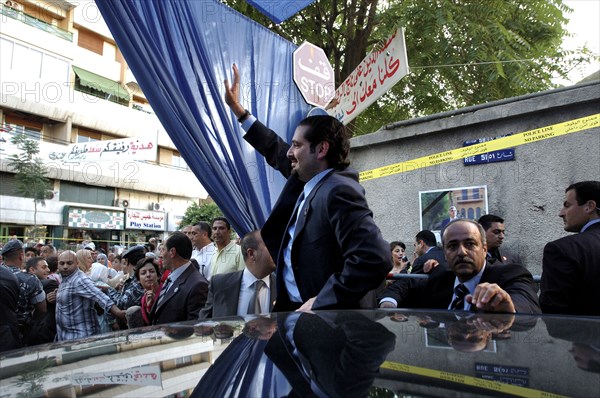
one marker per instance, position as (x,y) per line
(235,293)
(204,248)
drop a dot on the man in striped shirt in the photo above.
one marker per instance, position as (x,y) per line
(76,316)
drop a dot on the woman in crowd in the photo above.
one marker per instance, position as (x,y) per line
(84,260)
(400,264)
(147,272)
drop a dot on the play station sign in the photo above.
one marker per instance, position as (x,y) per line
(313,75)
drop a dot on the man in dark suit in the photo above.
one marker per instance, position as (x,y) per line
(494,232)
(184,292)
(571,265)
(321,234)
(426,248)
(9,298)
(231,294)
(468,282)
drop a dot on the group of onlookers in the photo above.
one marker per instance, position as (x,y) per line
(319,249)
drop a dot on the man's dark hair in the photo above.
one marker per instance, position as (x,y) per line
(52,263)
(427,237)
(328,128)
(586,190)
(181,243)
(32,249)
(149,246)
(204,227)
(51,247)
(487,220)
(221,219)
(33,262)
(250,241)
(397,243)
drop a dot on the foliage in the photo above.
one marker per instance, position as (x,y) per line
(461,53)
(31,172)
(30,169)
(205,212)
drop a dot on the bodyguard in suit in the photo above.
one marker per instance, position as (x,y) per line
(468,282)
(184,292)
(328,251)
(233,293)
(571,265)
(426,248)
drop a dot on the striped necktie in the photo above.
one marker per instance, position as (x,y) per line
(460,291)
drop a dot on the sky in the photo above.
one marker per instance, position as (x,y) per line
(584,24)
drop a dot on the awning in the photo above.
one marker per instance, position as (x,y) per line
(92,80)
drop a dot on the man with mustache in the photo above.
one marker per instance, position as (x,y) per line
(468,282)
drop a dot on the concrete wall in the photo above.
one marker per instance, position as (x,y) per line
(528,192)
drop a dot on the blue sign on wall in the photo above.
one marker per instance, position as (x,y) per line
(502,155)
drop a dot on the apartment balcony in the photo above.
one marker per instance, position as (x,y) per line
(16,14)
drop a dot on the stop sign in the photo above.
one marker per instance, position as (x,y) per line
(313,74)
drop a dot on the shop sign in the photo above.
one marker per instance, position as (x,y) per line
(94,219)
(145,219)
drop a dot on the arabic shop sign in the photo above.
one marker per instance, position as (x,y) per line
(121,149)
(145,219)
(377,73)
(77,217)
(143,376)
(502,155)
(313,74)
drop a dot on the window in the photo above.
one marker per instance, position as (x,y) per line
(177,161)
(16,125)
(90,41)
(87,136)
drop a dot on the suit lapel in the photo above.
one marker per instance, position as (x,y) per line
(301,221)
(175,288)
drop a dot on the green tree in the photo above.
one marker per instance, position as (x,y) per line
(461,53)
(205,212)
(32,180)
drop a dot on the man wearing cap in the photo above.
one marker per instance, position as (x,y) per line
(32,299)
(132,291)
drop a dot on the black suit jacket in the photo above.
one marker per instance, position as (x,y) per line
(570,274)
(437,290)
(9,294)
(436,253)
(338,254)
(224,295)
(183,300)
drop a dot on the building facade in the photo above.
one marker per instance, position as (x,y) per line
(116,176)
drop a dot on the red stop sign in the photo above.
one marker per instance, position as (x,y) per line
(313,74)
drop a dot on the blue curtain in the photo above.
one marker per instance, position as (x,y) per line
(180,52)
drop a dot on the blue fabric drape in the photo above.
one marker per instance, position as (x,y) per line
(180,52)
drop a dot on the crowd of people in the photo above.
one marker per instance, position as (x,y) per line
(319,249)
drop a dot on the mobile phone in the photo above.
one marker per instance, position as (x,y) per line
(404,258)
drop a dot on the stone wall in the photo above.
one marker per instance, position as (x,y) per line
(527,192)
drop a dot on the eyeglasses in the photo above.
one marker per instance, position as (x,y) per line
(66,262)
